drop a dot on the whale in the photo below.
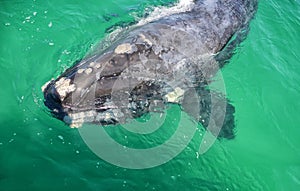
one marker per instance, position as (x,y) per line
(170,60)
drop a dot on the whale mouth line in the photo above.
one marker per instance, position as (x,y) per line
(103,108)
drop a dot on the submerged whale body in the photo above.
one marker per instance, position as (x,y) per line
(169,60)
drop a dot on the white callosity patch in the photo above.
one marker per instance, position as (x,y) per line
(77,119)
(79,71)
(92,64)
(159,12)
(145,39)
(63,87)
(175,96)
(85,70)
(125,48)
(109,115)
(88,70)
(103,116)
(45,85)
(98,65)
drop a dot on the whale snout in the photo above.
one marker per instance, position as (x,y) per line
(64,103)
(52,100)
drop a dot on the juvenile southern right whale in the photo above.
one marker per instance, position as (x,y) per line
(169,60)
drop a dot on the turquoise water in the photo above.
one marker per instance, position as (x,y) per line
(40,39)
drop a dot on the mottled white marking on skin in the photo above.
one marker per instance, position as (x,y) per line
(175,96)
(180,65)
(63,87)
(98,65)
(146,40)
(80,71)
(99,117)
(157,49)
(88,70)
(76,124)
(117,113)
(92,64)
(143,58)
(125,48)
(210,5)
(107,116)
(77,119)
(97,75)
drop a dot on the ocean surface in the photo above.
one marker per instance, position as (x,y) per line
(40,39)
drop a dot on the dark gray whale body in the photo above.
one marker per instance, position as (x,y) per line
(165,61)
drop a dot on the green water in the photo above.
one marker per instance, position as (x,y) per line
(40,39)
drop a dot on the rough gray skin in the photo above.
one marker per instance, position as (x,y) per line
(165,61)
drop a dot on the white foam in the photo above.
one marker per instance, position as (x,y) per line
(159,12)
